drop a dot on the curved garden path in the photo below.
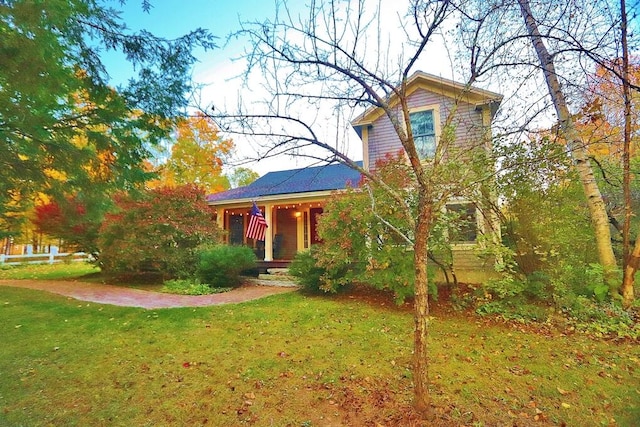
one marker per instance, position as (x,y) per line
(129,297)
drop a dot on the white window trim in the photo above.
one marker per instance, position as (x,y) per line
(436,120)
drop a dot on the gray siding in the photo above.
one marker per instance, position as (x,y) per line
(383,139)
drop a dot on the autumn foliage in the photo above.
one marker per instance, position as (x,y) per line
(159,230)
(69,221)
(366,237)
(197,156)
(601,120)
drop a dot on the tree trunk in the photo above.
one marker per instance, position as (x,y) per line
(630,262)
(596,205)
(422,399)
(629,274)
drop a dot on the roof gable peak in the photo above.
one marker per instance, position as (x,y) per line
(435,84)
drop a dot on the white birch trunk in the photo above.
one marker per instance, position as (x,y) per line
(596,205)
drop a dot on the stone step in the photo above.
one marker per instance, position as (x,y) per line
(276,277)
(278,271)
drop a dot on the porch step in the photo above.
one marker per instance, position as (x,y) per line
(278,271)
(273,280)
(276,277)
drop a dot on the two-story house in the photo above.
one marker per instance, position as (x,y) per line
(292,200)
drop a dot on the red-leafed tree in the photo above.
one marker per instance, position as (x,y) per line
(158,230)
(74,222)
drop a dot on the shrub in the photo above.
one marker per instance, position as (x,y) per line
(190,287)
(305,269)
(514,310)
(372,246)
(159,230)
(506,287)
(543,181)
(310,275)
(221,265)
(604,319)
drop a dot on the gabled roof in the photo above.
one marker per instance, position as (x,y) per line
(435,84)
(295,181)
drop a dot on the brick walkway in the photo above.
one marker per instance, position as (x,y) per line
(128,297)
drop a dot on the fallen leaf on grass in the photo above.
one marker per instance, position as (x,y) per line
(562,392)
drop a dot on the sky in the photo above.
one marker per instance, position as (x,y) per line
(216,69)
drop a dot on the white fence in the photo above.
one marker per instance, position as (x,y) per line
(49,258)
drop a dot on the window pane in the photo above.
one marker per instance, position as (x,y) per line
(426,146)
(466,220)
(424,134)
(422,122)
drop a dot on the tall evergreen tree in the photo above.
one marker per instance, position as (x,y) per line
(63,128)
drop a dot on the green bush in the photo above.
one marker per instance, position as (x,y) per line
(373,247)
(504,288)
(587,281)
(515,310)
(190,287)
(539,286)
(220,266)
(306,271)
(309,274)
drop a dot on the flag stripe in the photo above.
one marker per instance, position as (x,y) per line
(257,224)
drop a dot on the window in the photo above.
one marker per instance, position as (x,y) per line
(466,220)
(424,132)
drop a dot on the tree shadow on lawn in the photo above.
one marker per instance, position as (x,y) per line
(146,281)
(150,281)
(385,299)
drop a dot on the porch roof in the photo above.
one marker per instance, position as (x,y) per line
(294,181)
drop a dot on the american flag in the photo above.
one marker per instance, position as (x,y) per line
(257,224)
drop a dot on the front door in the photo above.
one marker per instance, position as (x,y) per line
(236,229)
(285,241)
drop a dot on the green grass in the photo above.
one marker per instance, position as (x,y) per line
(79,271)
(67,271)
(292,360)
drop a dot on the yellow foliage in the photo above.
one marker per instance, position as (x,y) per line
(601,121)
(197,156)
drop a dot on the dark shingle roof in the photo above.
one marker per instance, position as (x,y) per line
(304,180)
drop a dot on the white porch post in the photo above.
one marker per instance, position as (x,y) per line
(268,237)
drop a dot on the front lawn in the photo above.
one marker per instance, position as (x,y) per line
(295,360)
(61,270)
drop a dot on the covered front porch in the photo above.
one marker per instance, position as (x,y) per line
(292,227)
(291,201)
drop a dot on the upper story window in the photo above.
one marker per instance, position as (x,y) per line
(423,126)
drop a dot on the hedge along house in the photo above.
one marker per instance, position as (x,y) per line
(430,100)
(290,201)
